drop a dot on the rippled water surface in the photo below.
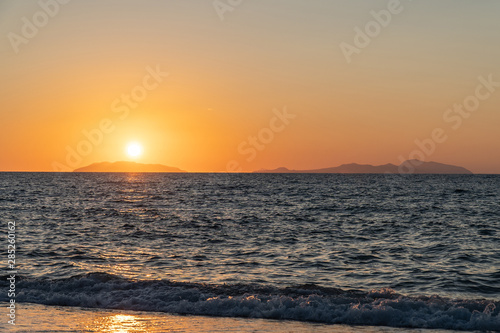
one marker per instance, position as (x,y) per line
(419,235)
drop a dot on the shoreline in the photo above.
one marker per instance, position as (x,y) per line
(77,319)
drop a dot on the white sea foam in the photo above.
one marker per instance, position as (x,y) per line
(303,303)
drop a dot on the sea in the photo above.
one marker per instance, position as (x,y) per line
(334,250)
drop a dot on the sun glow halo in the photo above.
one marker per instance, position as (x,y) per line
(134,149)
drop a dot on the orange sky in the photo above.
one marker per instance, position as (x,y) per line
(92,65)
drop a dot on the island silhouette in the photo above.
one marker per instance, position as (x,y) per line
(125,166)
(407,167)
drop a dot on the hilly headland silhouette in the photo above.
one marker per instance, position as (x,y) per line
(407,167)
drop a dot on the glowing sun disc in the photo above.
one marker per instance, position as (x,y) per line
(134,149)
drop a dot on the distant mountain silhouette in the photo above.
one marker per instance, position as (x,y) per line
(124,166)
(407,167)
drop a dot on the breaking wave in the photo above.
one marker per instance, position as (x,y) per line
(308,302)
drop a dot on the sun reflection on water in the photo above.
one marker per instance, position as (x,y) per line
(74,319)
(118,323)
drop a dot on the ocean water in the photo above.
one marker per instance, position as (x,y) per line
(415,251)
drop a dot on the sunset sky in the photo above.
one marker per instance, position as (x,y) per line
(251,83)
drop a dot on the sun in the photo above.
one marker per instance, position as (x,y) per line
(134,149)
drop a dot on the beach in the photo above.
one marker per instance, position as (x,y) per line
(41,318)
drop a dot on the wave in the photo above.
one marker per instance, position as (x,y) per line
(308,302)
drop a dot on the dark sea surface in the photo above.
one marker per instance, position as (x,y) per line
(405,251)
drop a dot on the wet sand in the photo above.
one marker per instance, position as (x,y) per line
(40,318)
